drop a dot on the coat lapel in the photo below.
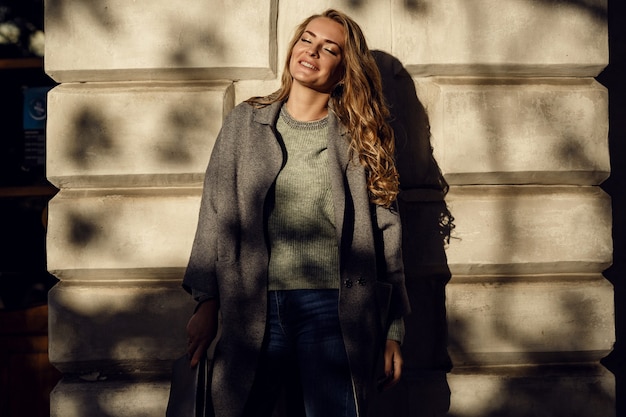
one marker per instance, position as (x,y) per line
(270,150)
(267,115)
(338,158)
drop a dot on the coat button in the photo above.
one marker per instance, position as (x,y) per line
(348,283)
(362,281)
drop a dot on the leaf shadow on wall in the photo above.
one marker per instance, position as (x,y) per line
(426,224)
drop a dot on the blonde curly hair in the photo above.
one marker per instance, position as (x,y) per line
(358,102)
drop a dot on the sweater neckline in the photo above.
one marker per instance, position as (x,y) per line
(300,125)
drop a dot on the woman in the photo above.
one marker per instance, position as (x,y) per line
(298,241)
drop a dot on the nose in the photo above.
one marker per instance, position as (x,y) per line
(312,51)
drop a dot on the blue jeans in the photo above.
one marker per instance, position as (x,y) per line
(303,354)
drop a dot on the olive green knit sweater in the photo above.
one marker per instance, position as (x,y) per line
(303,242)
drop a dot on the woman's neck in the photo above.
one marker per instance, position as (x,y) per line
(307,105)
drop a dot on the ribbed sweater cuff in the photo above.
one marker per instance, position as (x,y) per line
(396,330)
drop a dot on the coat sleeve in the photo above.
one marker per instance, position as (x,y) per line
(200,275)
(390,230)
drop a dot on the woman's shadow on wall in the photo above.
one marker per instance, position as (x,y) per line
(426,223)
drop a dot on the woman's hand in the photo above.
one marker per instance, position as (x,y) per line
(393,364)
(201,330)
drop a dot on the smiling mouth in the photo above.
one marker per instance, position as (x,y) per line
(307,65)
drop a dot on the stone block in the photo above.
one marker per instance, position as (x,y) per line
(244,89)
(518,131)
(529,230)
(133,134)
(117,40)
(486,37)
(587,391)
(137,234)
(112,327)
(374,18)
(104,398)
(529,320)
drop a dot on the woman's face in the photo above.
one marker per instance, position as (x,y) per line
(317,57)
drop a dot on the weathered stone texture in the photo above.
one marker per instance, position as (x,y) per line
(539,131)
(117,233)
(523,321)
(112,327)
(159,40)
(531,391)
(495,38)
(133,134)
(529,230)
(104,398)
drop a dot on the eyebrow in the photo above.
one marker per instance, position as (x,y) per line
(326,40)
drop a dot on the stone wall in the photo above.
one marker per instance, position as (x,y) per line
(503,92)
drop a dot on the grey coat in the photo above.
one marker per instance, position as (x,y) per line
(229,258)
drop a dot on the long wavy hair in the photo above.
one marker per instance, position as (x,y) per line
(358,102)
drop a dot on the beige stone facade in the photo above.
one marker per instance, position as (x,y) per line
(503,92)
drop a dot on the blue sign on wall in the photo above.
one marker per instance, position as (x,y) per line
(35,113)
